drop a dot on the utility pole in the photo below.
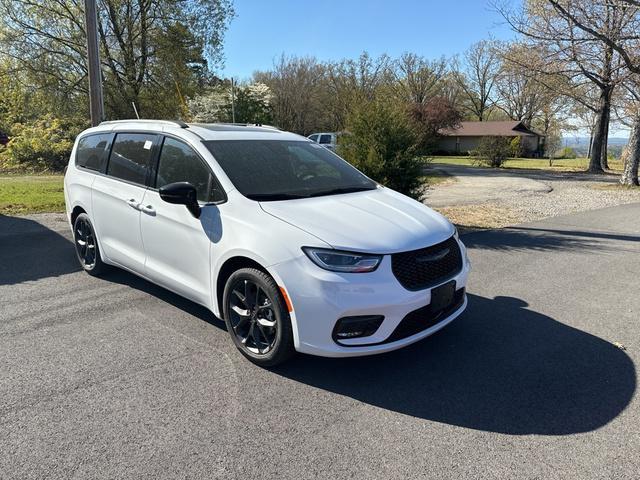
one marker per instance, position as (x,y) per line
(93,62)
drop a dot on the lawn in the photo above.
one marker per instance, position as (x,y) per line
(564,165)
(20,195)
(435,177)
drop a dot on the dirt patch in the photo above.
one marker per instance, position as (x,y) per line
(481,216)
(491,200)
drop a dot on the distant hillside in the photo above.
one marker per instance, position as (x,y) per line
(581,145)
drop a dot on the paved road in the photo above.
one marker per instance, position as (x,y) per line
(116,378)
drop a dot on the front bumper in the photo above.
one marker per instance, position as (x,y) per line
(320,298)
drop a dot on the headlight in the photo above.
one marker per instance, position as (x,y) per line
(338,261)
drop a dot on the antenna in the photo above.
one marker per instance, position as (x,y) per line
(233,103)
(135,110)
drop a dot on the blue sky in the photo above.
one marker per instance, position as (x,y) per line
(331,29)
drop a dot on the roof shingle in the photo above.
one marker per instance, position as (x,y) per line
(489,129)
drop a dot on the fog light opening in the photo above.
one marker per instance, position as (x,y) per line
(356,327)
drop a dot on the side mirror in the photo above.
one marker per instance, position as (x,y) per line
(181,193)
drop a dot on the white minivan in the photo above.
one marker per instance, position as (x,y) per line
(296,249)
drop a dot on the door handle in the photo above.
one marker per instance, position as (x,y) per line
(148,209)
(132,202)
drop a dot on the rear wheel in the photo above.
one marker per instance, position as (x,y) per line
(86,245)
(257,317)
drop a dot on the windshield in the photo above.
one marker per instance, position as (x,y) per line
(279,170)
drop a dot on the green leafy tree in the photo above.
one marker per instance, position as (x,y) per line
(382,143)
(150,50)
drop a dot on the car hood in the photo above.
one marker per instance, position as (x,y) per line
(374,221)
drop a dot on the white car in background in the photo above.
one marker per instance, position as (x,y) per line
(290,244)
(328,139)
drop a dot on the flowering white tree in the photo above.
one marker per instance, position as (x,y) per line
(252,104)
(210,106)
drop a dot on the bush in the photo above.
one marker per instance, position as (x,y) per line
(492,151)
(41,146)
(566,153)
(516,147)
(383,145)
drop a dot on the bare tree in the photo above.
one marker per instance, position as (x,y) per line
(417,80)
(297,85)
(572,32)
(522,92)
(629,115)
(627,45)
(476,76)
(350,82)
(632,160)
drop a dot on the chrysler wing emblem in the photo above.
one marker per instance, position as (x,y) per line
(434,257)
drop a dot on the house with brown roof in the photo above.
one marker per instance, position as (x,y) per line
(467,136)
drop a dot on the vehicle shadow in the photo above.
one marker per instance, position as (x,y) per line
(533,174)
(31,251)
(541,239)
(122,277)
(500,367)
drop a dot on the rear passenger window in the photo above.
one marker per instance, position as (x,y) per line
(179,163)
(325,139)
(130,157)
(91,151)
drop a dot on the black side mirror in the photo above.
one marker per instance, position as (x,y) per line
(181,193)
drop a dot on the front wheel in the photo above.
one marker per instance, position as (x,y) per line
(257,317)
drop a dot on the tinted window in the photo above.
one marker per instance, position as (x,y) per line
(91,151)
(325,139)
(131,157)
(179,163)
(279,170)
(314,138)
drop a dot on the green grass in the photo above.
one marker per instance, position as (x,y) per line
(434,177)
(564,165)
(20,195)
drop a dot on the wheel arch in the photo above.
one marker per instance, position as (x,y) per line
(229,266)
(77,210)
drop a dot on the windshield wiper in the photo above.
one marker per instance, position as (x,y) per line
(337,191)
(270,197)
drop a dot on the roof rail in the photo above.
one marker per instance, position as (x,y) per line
(178,123)
(237,124)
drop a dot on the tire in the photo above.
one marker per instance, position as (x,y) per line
(257,318)
(86,245)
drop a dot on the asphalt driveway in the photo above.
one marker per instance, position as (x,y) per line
(117,378)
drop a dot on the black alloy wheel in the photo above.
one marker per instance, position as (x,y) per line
(87,245)
(257,317)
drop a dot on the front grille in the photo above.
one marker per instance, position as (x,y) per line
(423,318)
(424,268)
